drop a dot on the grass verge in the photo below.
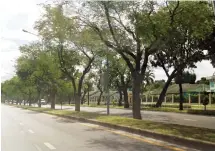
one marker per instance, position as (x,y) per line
(201,134)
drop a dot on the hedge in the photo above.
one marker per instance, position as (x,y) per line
(202,112)
(167,105)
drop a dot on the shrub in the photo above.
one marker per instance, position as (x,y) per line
(167,105)
(202,112)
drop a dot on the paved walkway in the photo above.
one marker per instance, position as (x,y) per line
(166,117)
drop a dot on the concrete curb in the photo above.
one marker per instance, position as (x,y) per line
(191,143)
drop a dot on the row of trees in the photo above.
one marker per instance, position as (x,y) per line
(133,36)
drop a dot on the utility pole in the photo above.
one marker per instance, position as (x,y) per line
(213,3)
(88,95)
(105,83)
(107,87)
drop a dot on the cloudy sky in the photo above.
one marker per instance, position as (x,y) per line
(16,15)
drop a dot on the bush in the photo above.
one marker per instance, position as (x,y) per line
(202,112)
(168,105)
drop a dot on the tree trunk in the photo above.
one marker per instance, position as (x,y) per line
(125,93)
(78,95)
(53,97)
(120,97)
(38,99)
(69,99)
(181,97)
(163,92)
(180,91)
(77,102)
(137,80)
(82,98)
(29,101)
(88,97)
(99,99)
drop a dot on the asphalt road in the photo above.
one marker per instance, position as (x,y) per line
(166,117)
(24,130)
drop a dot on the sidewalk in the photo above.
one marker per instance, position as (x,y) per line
(165,117)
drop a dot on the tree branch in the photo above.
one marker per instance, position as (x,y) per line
(109,23)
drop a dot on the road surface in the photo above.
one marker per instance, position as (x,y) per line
(24,130)
(166,117)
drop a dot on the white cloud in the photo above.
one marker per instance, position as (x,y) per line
(15,16)
(204,69)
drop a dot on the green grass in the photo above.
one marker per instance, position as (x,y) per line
(170,129)
(201,134)
(33,108)
(87,115)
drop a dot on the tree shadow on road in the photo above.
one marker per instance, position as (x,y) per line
(64,120)
(121,144)
(93,129)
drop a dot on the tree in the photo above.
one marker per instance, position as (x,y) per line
(182,38)
(75,45)
(184,77)
(187,77)
(203,80)
(88,86)
(124,36)
(40,67)
(120,78)
(209,44)
(13,89)
(148,79)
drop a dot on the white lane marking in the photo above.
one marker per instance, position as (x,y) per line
(50,146)
(37,147)
(186,119)
(31,131)
(21,124)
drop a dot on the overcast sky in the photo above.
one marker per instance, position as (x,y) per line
(16,15)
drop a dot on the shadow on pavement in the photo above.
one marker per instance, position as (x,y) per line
(93,129)
(64,120)
(122,144)
(32,112)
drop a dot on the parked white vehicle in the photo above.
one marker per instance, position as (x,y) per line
(43,102)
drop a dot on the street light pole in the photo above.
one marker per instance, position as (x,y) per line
(107,87)
(213,3)
(34,35)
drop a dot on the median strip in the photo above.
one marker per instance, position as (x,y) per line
(195,137)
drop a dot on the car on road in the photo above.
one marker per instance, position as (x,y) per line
(43,102)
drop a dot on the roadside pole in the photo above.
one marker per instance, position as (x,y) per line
(107,87)
(213,3)
(105,83)
(88,96)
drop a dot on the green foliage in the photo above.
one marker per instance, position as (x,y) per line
(187,77)
(203,80)
(202,112)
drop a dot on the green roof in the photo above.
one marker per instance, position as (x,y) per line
(174,89)
(98,93)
